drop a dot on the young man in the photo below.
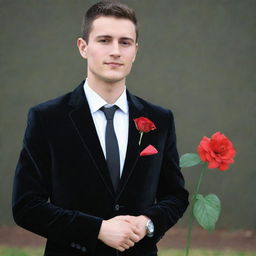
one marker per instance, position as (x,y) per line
(81,180)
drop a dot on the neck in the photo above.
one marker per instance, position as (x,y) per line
(109,91)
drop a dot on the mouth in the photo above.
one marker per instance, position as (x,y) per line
(114,64)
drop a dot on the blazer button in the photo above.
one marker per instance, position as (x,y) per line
(73,245)
(83,249)
(117,207)
(78,247)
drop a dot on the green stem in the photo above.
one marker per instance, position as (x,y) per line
(191,216)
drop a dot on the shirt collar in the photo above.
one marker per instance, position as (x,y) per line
(95,101)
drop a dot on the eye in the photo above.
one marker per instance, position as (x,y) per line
(126,43)
(103,41)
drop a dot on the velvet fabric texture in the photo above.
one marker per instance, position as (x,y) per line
(62,188)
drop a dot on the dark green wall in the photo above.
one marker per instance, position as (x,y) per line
(196,57)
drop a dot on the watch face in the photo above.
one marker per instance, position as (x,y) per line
(150,228)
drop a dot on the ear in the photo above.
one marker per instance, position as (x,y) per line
(137,47)
(82,47)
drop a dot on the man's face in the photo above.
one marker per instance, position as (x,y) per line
(111,49)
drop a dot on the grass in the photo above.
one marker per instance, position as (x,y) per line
(7,251)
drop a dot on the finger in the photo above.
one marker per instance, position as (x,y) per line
(136,230)
(132,220)
(125,246)
(135,238)
(120,248)
(129,243)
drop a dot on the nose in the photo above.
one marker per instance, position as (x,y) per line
(115,49)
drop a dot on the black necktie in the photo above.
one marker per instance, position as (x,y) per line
(112,150)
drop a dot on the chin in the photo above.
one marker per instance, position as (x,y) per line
(114,79)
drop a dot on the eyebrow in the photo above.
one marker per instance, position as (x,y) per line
(122,38)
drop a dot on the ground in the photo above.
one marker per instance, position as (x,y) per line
(240,240)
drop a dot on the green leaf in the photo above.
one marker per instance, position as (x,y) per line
(189,159)
(207,210)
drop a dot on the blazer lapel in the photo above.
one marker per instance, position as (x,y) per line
(133,148)
(83,123)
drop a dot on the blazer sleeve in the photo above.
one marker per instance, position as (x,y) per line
(31,191)
(172,197)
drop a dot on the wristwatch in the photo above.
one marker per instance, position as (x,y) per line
(150,228)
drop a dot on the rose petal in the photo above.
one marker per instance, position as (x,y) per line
(223,167)
(213,165)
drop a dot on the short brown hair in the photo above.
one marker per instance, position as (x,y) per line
(107,8)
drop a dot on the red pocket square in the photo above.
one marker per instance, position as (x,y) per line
(149,150)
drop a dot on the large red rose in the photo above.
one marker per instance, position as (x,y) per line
(143,124)
(218,151)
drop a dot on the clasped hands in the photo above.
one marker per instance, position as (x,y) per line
(122,232)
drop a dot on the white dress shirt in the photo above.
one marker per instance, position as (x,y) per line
(121,120)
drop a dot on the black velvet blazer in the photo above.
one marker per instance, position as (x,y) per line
(62,188)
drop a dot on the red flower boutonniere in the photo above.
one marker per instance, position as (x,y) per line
(143,124)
